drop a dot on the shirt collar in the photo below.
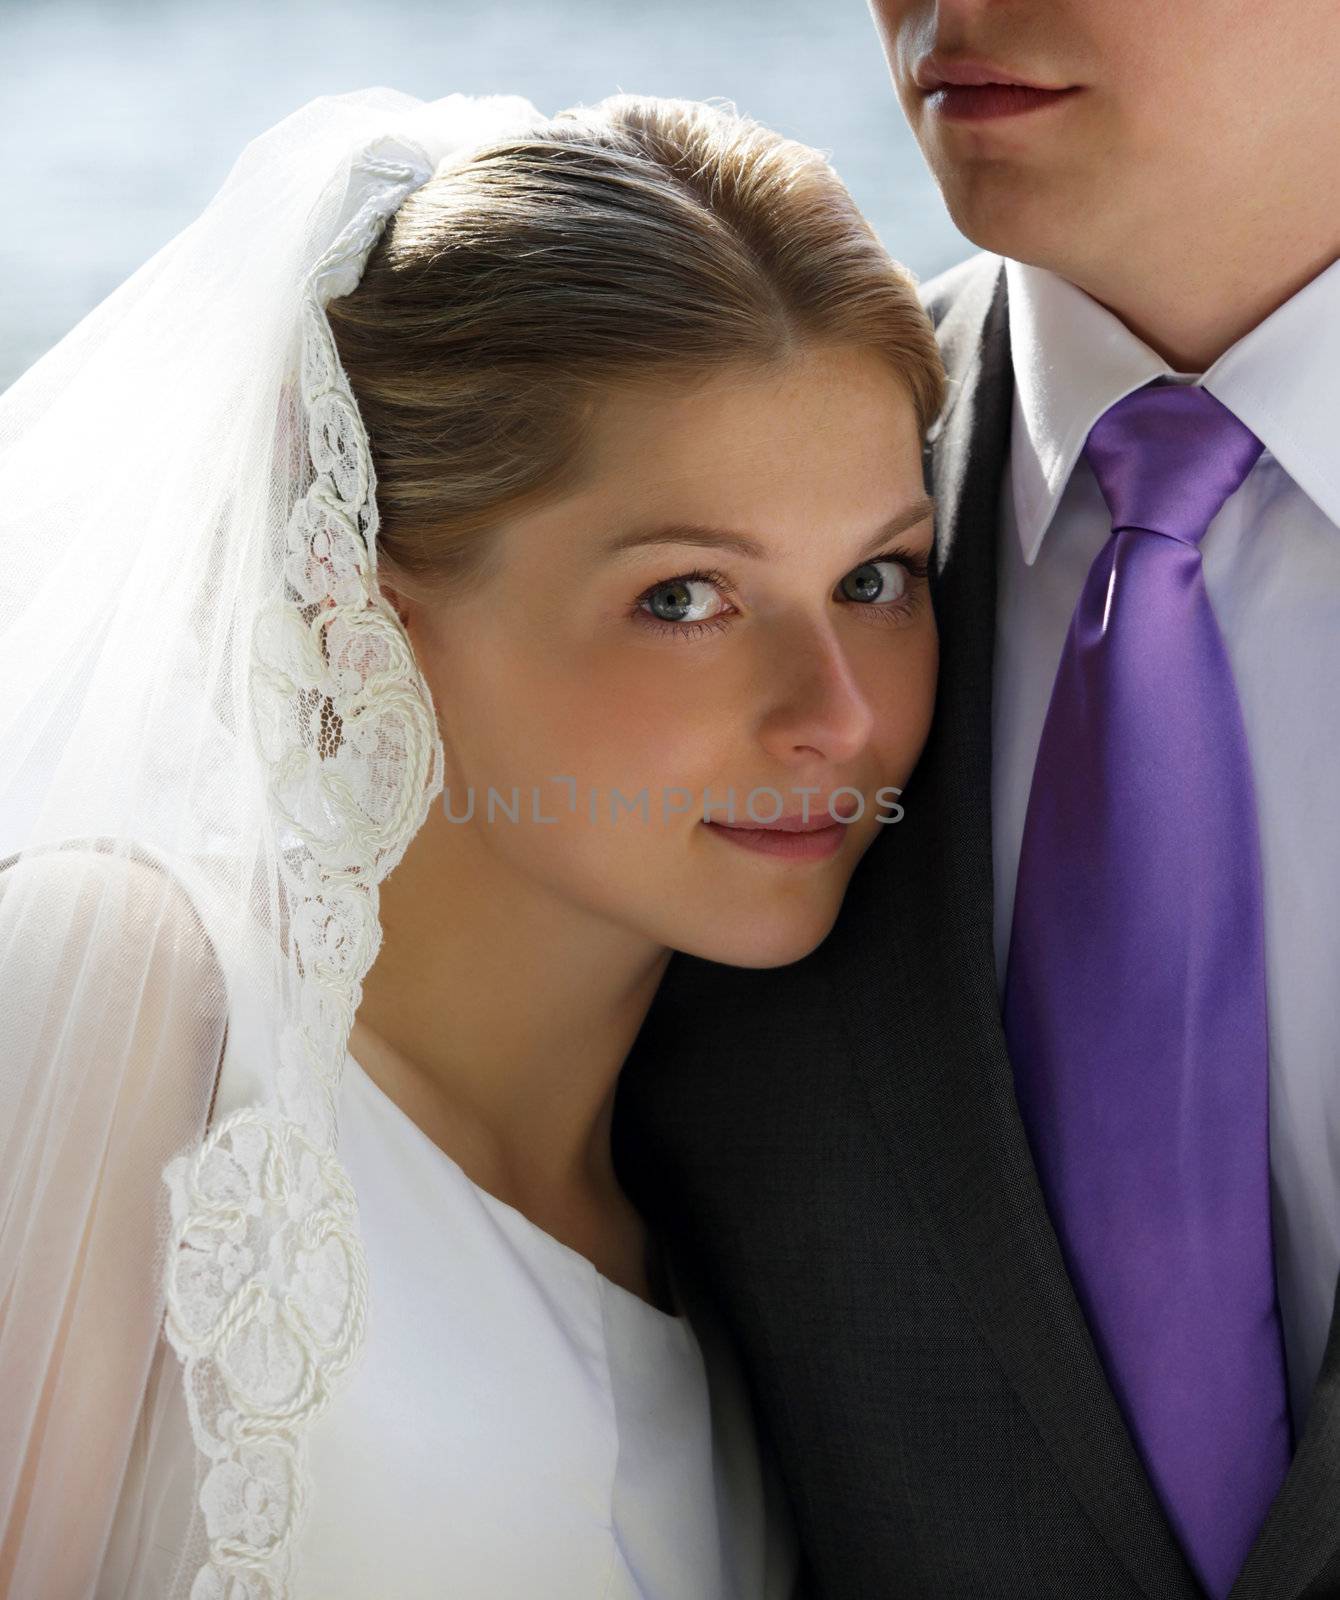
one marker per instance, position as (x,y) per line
(1073,359)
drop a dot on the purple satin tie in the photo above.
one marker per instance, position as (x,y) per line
(1135,993)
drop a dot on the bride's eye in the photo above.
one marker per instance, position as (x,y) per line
(888,586)
(688,605)
(885,589)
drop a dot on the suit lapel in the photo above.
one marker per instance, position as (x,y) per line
(944,1091)
(1302,1532)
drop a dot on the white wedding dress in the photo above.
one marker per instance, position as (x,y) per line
(518,1428)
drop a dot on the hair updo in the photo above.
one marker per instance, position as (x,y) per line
(610,245)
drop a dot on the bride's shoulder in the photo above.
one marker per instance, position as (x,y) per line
(103,889)
(108,949)
(110,1039)
(80,870)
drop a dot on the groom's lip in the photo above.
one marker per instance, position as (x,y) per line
(955,103)
(974,91)
(936,72)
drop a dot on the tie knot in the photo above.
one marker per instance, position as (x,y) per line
(1167,457)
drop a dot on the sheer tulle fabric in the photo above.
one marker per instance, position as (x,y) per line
(214,743)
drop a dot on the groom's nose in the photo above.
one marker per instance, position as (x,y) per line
(989,29)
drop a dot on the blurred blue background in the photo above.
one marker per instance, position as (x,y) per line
(118,121)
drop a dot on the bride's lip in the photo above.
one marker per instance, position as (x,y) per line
(801,821)
(808,844)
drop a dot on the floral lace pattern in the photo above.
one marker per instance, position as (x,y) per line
(266,1280)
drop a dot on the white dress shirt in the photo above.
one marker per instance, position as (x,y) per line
(1272,571)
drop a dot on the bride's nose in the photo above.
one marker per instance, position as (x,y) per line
(813,704)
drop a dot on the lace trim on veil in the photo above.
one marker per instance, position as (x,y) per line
(266,1283)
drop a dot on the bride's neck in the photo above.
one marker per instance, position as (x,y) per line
(498,1016)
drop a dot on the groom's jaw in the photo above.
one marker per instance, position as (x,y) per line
(1183,181)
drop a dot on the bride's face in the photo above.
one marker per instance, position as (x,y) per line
(627,699)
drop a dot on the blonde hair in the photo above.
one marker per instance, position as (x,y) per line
(610,245)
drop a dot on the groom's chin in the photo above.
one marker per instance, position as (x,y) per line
(1014,212)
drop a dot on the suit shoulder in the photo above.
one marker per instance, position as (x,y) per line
(940,293)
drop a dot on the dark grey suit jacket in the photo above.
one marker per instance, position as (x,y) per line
(837,1146)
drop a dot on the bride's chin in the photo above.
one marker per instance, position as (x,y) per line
(768,939)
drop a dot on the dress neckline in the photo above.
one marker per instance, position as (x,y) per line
(616,1291)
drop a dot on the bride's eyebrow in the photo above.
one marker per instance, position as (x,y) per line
(744,544)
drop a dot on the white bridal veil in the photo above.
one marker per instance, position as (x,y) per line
(214,743)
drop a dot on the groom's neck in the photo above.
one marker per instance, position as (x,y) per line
(1192,297)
